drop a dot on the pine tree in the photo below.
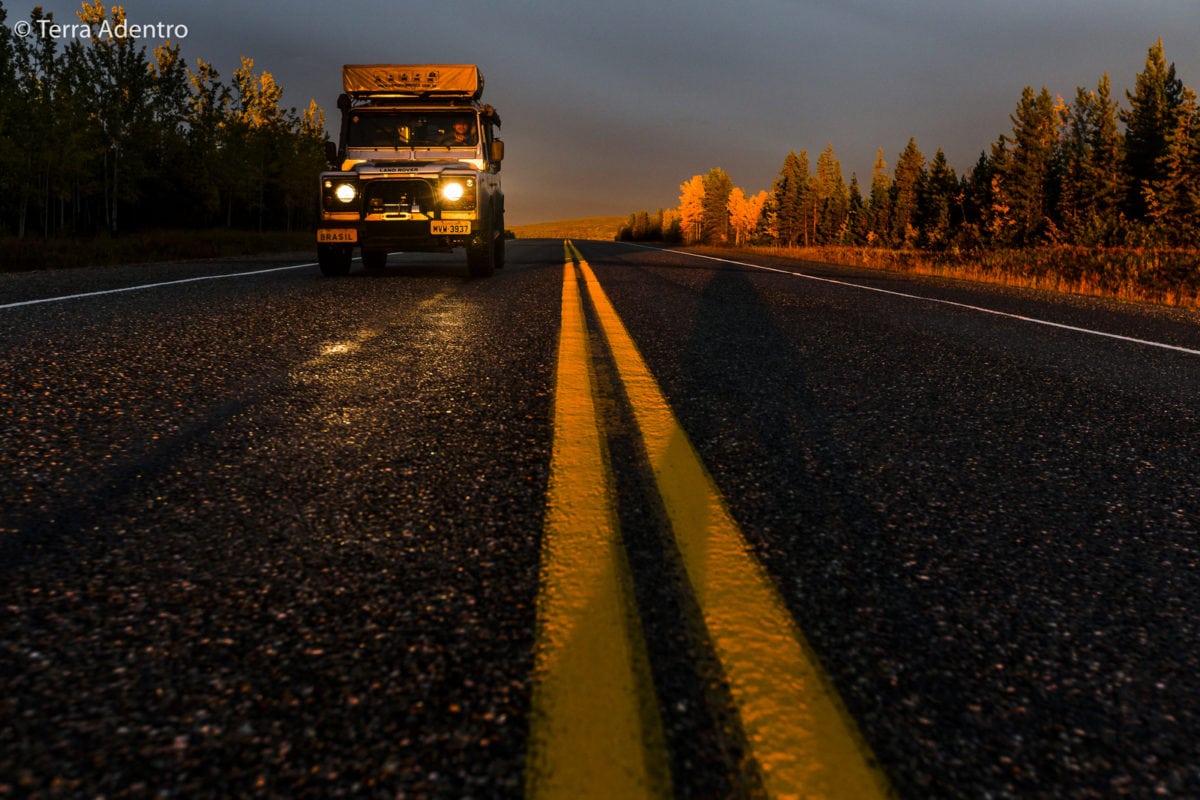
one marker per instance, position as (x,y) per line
(1154,105)
(831,200)
(1171,198)
(935,201)
(879,226)
(715,225)
(1106,176)
(977,200)
(786,203)
(1030,168)
(997,222)
(857,222)
(1092,189)
(904,194)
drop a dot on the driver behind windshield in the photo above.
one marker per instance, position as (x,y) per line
(411,131)
(460,134)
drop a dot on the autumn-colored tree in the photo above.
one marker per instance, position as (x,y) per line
(691,208)
(745,213)
(671,227)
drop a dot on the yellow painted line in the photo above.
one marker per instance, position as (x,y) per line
(594,724)
(800,734)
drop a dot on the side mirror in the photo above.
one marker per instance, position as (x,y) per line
(331,151)
(497,151)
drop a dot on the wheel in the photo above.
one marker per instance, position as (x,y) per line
(481,259)
(334,259)
(498,258)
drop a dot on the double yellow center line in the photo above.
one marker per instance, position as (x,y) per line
(595,729)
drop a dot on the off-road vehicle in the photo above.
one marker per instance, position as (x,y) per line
(416,168)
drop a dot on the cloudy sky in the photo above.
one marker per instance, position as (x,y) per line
(609,107)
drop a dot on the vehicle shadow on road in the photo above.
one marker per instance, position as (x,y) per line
(754,407)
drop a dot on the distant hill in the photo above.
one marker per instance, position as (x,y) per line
(604,228)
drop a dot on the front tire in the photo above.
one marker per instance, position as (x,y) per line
(498,258)
(481,259)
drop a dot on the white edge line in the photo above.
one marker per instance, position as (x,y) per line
(981,309)
(152,286)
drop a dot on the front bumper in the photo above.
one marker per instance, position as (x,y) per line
(423,235)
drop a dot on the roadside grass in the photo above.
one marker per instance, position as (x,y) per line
(1142,275)
(31,253)
(1162,277)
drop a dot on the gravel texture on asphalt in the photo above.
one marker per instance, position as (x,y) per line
(986,528)
(276,535)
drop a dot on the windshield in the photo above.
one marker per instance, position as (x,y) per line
(411,129)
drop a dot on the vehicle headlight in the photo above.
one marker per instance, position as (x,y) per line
(453,191)
(345,192)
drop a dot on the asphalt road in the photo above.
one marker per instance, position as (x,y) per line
(270,534)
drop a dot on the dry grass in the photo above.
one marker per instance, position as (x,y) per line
(602,228)
(137,247)
(1164,277)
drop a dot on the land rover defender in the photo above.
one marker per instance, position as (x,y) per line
(416,168)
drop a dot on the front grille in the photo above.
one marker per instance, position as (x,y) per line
(386,196)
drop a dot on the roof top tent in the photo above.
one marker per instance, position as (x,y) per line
(364,81)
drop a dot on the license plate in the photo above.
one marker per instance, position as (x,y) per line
(449,227)
(337,236)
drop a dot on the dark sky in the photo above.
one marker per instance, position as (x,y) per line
(608,108)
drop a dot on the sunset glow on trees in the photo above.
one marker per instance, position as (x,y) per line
(1085,172)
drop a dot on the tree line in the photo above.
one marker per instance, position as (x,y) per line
(1086,172)
(99,134)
